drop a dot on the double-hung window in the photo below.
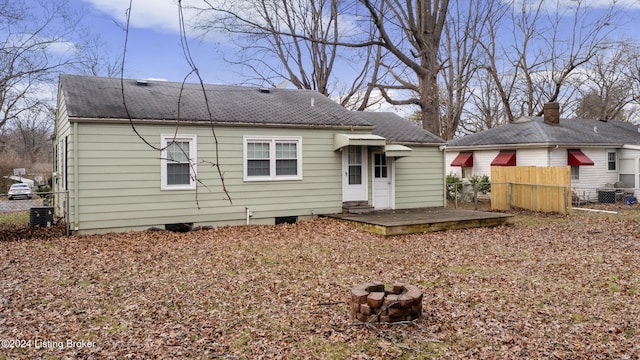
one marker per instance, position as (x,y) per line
(272,158)
(178,162)
(611,160)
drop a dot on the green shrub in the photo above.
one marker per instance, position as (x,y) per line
(480,183)
(454,185)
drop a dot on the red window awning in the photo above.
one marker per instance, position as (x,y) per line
(578,158)
(505,158)
(464,159)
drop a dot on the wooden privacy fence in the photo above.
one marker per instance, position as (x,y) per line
(546,189)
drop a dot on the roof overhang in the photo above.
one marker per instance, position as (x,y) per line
(505,158)
(397,150)
(464,159)
(578,158)
(342,140)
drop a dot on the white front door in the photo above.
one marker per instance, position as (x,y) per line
(382,187)
(354,173)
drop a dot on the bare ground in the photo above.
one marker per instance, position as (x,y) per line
(550,287)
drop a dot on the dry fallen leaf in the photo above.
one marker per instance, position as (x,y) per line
(549,287)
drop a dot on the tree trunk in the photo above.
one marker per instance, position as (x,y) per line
(430,106)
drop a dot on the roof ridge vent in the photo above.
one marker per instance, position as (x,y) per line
(264,90)
(142,82)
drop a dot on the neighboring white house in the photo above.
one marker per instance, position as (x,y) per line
(139,154)
(602,154)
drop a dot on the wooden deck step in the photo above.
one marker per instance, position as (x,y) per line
(356,207)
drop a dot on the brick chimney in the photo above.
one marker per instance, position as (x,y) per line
(552,113)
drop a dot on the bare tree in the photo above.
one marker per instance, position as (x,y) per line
(297,42)
(606,87)
(33,47)
(412,31)
(485,109)
(634,76)
(354,97)
(31,134)
(550,43)
(460,47)
(93,58)
(305,38)
(466,67)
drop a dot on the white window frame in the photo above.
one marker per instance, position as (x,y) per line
(272,141)
(615,160)
(165,140)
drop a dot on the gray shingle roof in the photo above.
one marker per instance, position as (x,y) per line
(101,98)
(394,128)
(533,130)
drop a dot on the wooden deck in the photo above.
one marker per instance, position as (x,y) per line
(408,221)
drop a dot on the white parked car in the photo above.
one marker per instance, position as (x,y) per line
(20,190)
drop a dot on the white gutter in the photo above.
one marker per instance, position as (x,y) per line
(205,122)
(529,146)
(631,147)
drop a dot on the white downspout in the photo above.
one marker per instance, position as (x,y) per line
(442,149)
(247,212)
(76,181)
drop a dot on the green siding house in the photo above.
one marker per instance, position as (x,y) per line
(139,154)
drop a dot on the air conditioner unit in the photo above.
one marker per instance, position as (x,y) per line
(41,216)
